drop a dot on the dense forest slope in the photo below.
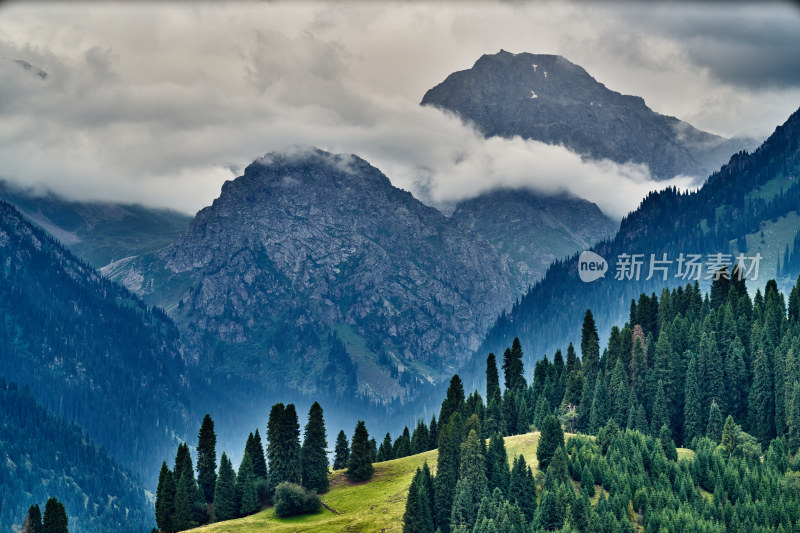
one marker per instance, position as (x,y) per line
(42,456)
(89,350)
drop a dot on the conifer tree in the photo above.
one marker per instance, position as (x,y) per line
(551,437)
(599,412)
(283,433)
(729,437)
(385,450)
(207,459)
(433,434)
(341,452)
(359,464)
(590,348)
(473,474)
(165,499)
(447,471)
(512,366)
(793,437)
(420,438)
(761,401)
(33,520)
(492,380)
(497,473)
(550,516)
(418,516)
(256,452)
(618,393)
(55,517)
(660,415)
(454,402)
(225,507)
(692,409)
(314,459)
(462,509)
(246,494)
(714,428)
(182,519)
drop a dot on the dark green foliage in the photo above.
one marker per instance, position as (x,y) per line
(497,473)
(550,515)
(454,402)
(283,433)
(590,348)
(692,409)
(183,517)
(385,452)
(246,493)
(314,458)
(492,380)
(420,440)
(667,444)
(447,473)
(207,459)
(33,520)
(43,455)
(512,367)
(55,517)
(472,476)
(256,451)
(418,516)
(714,427)
(292,500)
(359,464)
(341,452)
(522,488)
(225,507)
(552,436)
(165,498)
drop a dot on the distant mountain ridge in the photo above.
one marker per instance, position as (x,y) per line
(534,229)
(311,245)
(98,232)
(547,98)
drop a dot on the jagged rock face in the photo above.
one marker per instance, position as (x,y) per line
(304,243)
(534,230)
(549,99)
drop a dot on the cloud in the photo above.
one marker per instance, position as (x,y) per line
(161,104)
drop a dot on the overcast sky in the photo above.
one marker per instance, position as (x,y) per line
(160,104)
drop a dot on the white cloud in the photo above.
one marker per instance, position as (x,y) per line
(162,103)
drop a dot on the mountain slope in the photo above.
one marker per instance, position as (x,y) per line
(534,229)
(98,232)
(549,99)
(313,270)
(748,197)
(42,456)
(89,350)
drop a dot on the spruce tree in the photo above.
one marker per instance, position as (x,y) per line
(454,401)
(447,471)
(283,433)
(257,455)
(182,519)
(692,408)
(462,509)
(492,380)
(660,415)
(33,520)
(341,452)
(522,488)
(359,464)
(420,438)
(793,437)
(599,412)
(418,515)
(512,366)
(761,402)
(590,348)
(165,498)
(385,450)
(246,494)
(473,474)
(551,437)
(433,434)
(714,428)
(207,459)
(550,515)
(55,517)
(314,457)
(225,507)
(497,472)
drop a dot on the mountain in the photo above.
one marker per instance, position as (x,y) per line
(312,270)
(98,232)
(549,99)
(534,229)
(750,206)
(43,456)
(89,350)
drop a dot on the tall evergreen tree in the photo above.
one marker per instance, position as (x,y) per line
(512,366)
(207,459)
(246,495)
(385,450)
(522,488)
(283,433)
(793,437)
(256,451)
(314,458)
(599,413)
(418,517)
(492,380)
(341,452)
(551,437)
(497,472)
(692,409)
(359,464)
(454,401)
(660,416)
(165,499)
(225,507)
(447,471)
(590,348)
(55,517)
(714,428)
(761,402)
(183,519)
(33,520)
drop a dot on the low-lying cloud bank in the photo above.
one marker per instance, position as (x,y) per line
(161,104)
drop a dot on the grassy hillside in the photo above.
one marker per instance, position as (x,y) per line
(377,505)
